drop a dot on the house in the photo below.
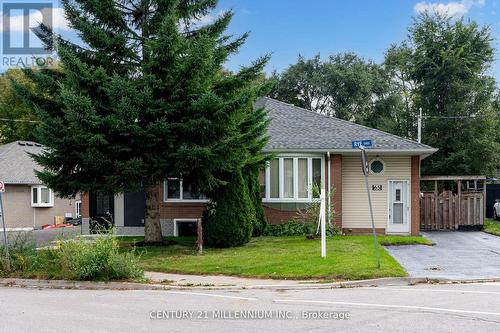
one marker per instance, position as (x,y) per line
(309,148)
(27,202)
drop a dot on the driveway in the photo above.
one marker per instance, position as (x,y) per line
(42,237)
(456,255)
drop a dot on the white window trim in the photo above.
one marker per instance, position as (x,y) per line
(295,157)
(78,209)
(39,197)
(181,199)
(370,167)
(176,226)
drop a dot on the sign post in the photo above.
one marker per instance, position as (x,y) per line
(322,217)
(2,212)
(366,169)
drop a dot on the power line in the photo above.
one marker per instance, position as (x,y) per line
(20,120)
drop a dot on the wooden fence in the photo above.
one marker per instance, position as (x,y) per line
(448,211)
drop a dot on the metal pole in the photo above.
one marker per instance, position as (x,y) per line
(329,203)
(363,158)
(419,124)
(6,244)
(323,224)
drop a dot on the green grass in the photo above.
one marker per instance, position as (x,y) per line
(348,258)
(492,227)
(399,240)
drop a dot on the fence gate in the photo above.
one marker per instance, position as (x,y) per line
(451,209)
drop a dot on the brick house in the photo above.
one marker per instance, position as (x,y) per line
(27,202)
(309,148)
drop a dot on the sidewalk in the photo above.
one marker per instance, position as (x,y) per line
(232,282)
(218,280)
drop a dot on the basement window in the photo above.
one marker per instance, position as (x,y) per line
(42,196)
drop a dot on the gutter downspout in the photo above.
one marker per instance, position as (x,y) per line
(329,188)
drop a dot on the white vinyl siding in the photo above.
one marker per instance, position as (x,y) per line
(355,211)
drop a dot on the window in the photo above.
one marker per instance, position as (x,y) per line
(176,189)
(185,227)
(398,195)
(376,166)
(275,178)
(41,196)
(290,178)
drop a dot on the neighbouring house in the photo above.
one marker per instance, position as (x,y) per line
(309,148)
(27,202)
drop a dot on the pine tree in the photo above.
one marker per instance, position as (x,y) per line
(143,97)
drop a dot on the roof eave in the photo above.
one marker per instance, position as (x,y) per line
(423,153)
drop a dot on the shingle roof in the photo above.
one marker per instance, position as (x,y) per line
(16,165)
(294,128)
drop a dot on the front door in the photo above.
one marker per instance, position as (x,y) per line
(398,207)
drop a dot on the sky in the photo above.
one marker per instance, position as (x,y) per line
(287,28)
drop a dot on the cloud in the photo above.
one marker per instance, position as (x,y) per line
(451,9)
(200,21)
(59,21)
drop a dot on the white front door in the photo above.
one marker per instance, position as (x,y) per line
(398,208)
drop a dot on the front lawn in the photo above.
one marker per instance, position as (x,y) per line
(348,258)
(492,227)
(398,240)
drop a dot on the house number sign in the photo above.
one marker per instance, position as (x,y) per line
(377,187)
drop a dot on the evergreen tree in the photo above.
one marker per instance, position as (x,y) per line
(143,97)
(229,220)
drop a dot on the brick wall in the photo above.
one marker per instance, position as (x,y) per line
(336,174)
(277,216)
(181,210)
(85,208)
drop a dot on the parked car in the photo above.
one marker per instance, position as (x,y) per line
(496,210)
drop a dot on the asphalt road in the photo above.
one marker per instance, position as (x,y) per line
(41,237)
(421,308)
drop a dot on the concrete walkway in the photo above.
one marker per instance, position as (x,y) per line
(456,255)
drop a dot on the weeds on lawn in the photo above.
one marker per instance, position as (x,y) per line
(21,250)
(77,259)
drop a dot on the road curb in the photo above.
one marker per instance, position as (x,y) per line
(90,285)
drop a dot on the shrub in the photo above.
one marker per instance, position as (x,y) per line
(252,180)
(229,219)
(297,228)
(77,259)
(290,228)
(96,260)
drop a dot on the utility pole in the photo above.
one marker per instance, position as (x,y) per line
(419,125)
